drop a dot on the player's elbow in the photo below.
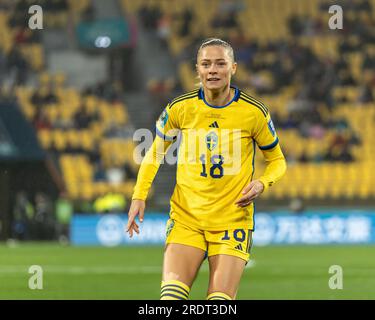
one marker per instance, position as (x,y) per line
(280,167)
(284,166)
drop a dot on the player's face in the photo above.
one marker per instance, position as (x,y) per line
(215,67)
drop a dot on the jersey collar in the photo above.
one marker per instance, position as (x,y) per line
(235,98)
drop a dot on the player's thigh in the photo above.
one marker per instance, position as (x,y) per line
(228,252)
(225,274)
(182,262)
(184,252)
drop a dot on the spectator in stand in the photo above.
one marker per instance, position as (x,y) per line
(24,35)
(106,90)
(17,64)
(63,212)
(245,49)
(130,174)
(94,153)
(164,29)
(366,95)
(303,158)
(187,17)
(23,214)
(339,148)
(149,15)
(345,78)
(224,20)
(82,118)
(119,131)
(44,217)
(40,120)
(62,123)
(43,96)
(99,171)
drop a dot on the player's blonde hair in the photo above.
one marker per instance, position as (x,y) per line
(217,42)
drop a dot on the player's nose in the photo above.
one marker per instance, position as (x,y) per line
(212,69)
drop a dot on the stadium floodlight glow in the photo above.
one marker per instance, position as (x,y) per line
(103,42)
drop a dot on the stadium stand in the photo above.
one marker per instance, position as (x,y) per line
(82,130)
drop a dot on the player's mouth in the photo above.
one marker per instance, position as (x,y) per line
(213,79)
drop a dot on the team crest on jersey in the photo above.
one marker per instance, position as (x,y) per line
(163,118)
(271,127)
(211,141)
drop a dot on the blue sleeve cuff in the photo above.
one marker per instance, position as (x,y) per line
(270,146)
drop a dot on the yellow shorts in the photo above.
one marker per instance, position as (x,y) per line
(233,242)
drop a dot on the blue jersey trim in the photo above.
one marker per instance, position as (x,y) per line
(163,136)
(235,98)
(252,175)
(270,146)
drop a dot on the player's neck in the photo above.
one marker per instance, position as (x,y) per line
(220,97)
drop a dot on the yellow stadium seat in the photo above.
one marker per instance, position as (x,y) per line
(45,138)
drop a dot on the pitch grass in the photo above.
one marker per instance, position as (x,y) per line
(277,272)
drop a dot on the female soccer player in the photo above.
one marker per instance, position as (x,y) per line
(212,209)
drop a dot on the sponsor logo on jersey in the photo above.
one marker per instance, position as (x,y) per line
(214,125)
(238,247)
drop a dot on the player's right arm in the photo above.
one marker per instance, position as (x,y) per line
(166,134)
(146,174)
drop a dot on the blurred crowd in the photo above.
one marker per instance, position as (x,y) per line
(14,65)
(45,97)
(290,63)
(39,216)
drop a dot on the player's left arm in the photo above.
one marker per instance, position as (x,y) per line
(268,142)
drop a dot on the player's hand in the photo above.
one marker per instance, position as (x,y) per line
(250,192)
(137,207)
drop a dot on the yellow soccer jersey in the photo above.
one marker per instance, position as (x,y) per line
(216,157)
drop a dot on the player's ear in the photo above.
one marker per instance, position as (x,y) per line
(197,71)
(234,68)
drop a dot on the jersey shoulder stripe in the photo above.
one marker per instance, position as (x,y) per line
(254,102)
(185,96)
